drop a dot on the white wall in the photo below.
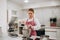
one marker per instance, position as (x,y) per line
(3,16)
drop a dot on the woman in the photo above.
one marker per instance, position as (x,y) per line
(32,23)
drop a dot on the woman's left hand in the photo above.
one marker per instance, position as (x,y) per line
(32,27)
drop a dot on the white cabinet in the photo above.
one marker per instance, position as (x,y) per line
(12,15)
(53,32)
(0,32)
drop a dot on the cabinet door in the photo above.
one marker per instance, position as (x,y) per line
(51,33)
(0,32)
(58,34)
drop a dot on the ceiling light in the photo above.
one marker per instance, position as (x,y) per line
(26,1)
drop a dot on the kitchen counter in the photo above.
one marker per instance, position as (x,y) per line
(52,27)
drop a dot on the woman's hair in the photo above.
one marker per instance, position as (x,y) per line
(31,9)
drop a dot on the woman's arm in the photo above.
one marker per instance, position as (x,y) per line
(38,25)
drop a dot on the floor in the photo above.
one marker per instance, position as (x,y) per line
(6,37)
(10,38)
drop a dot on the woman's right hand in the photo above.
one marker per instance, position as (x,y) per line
(29,26)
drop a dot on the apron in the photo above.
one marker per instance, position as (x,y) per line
(33,32)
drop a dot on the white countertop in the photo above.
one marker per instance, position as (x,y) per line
(51,27)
